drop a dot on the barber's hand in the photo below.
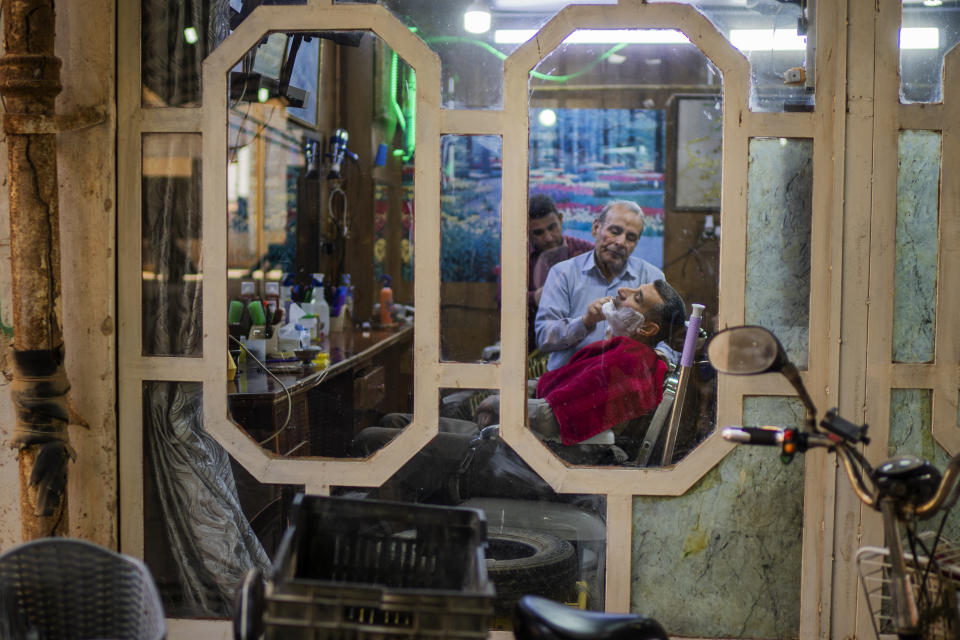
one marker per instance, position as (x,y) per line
(594,313)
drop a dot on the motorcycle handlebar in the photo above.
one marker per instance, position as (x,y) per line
(857,469)
(772,436)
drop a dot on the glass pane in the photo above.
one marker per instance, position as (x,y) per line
(772,36)
(911,413)
(471,47)
(320,223)
(470,196)
(171,238)
(779,214)
(692,549)
(540,542)
(176,37)
(604,171)
(915,276)
(929,30)
(192,488)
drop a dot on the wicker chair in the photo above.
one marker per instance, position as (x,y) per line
(67,589)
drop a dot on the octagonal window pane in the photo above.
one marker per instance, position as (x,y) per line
(625,140)
(472,41)
(319,256)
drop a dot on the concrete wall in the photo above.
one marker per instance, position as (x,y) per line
(87,177)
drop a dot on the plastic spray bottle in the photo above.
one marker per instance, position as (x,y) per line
(320,307)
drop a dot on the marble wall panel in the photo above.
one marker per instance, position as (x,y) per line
(720,549)
(915,276)
(777,295)
(911,417)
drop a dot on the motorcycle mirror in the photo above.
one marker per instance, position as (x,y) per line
(745,351)
(750,350)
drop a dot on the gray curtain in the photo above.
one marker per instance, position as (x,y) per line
(209,537)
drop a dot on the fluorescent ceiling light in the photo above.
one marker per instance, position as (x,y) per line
(788,40)
(742,39)
(919,38)
(476,19)
(547,117)
(767,40)
(542,5)
(598,36)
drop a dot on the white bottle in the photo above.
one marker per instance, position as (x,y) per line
(320,307)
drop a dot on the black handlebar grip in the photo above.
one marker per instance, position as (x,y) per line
(772,436)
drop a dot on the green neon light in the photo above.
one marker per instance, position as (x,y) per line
(411,137)
(407,115)
(394,67)
(489,48)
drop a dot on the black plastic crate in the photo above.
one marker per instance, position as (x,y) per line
(370,569)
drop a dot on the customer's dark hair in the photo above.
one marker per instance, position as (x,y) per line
(670,314)
(541,205)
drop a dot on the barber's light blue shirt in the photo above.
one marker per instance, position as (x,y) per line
(570,288)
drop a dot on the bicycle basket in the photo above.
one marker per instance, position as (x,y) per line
(934,588)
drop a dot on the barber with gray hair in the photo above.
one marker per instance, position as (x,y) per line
(570,313)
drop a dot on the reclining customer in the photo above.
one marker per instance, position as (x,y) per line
(610,381)
(605,383)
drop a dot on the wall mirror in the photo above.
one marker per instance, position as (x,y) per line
(320,232)
(603,128)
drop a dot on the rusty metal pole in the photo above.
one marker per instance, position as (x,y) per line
(29,83)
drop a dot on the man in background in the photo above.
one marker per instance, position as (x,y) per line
(546,247)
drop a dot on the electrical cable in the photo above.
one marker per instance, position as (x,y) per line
(343,227)
(283,386)
(489,48)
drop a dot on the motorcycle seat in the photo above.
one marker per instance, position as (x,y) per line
(536,617)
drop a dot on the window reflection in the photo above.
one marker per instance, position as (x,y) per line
(622,179)
(470,195)
(171,283)
(928,32)
(320,228)
(779,40)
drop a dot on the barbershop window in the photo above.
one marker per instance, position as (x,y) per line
(928,31)
(321,166)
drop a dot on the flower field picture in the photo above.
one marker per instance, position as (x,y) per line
(585,159)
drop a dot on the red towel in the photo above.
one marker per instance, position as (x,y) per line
(603,384)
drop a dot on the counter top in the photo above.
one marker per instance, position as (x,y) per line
(348,349)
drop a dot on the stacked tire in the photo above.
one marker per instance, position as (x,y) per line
(522,562)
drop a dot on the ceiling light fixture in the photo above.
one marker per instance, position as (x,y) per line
(598,36)
(919,38)
(476,19)
(789,40)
